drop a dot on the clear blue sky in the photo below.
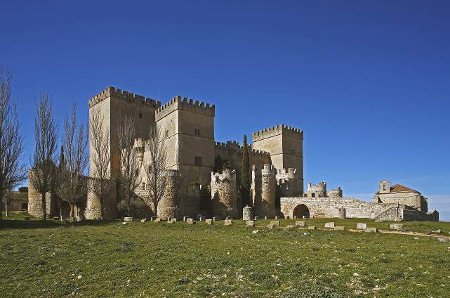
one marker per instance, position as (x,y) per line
(367,81)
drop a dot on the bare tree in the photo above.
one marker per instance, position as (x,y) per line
(7,197)
(11,173)
(130,178)
(99,139)
(43,165)
(155,170)
(11,145)
(71,182)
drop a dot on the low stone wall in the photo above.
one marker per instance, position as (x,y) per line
(412,214)
(353,208)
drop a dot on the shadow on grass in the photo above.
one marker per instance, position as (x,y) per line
(42,224)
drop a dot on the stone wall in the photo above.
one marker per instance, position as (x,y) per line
(353,208)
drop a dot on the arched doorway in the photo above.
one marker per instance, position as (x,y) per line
(301,211)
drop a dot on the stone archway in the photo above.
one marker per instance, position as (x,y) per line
(301,211)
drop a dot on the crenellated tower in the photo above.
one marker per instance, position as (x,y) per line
(285,145)
(224,194)
(186,127)
(113,105)
(264,191)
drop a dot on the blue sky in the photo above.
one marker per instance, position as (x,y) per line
(367,81)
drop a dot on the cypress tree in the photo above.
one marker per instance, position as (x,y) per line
(245,175)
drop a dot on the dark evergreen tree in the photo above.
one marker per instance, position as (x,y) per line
(245,175)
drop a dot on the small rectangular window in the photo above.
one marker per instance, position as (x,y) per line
(197,131)
(167,133)
(198,161)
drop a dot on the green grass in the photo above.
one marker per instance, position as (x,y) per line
(104,259)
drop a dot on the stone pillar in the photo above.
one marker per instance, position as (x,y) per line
(224,193)
(247,213)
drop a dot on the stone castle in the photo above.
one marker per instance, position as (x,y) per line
(187,130)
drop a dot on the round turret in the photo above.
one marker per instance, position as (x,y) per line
(224,193)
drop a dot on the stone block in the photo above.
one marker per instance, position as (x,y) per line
(228,222)
(190,221)
(250,223)
(311,227)
(143,220)
(370,230)
(300,223)
(128,218)
(329,225)
(271,226)
(200,218)
(290,227)
(184,218)
(361,226)
(209,221)
(275,223)
(157,220)
(396,226)
(339,228)
(247,213)
(214,218)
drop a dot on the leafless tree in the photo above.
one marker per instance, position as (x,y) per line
(99,139)
(155,169)
(11,145)
(43,164)
(71,183)
(7,197)
(130,178)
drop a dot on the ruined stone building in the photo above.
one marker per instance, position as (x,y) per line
(210,170)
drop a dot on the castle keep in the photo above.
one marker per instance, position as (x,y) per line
(203,175)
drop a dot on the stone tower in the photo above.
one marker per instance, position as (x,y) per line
(285,145)
(224,193)
(385,186)
(264,191)
(168,205)
(113,105)
(186,128)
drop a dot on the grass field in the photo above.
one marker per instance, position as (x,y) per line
(104,259)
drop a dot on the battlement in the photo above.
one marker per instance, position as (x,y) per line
(125,95)
(183,103)
(268,169)
(276,130)
(225,175)
(289,173)
(234,145)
